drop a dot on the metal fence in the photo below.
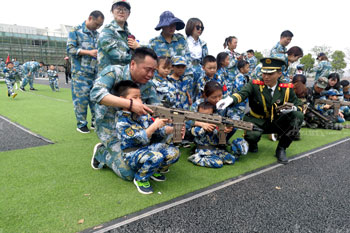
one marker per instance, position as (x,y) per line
(26,47)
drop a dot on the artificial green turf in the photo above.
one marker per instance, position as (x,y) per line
(50,188)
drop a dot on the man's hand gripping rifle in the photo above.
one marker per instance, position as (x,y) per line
(179,116)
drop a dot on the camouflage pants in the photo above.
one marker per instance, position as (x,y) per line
(54,84)
(81,87)
(9,84)
(28,79)
(214,158)
(150,159)
(111,156)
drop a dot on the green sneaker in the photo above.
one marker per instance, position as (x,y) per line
(143,187)
(158,177)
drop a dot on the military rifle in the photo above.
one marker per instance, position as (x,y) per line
(336,104)
(179,116)
(327,123)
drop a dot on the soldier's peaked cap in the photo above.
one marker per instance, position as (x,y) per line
(271,64)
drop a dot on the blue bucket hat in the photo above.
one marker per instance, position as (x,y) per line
(167,18)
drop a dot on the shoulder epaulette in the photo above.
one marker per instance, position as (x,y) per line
(286,85)
(258,82)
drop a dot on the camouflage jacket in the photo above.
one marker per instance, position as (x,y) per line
(80,37)
(113,46)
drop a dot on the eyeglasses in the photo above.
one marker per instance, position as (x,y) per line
(122,10)
(199,27)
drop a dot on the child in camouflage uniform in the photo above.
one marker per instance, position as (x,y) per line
(181,82)
(10,78)
(165,89)
(148,160)
(212,94)
(53,78)
(327,110)
(207,153)
(209,74)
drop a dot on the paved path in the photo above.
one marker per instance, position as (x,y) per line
(310,194)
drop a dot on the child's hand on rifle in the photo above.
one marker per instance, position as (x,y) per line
(206,126)
(159,123)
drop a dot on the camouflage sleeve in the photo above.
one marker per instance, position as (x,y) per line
(72,46)
(102,86)
(152,97)
(116,49)
(232,63)
(198,131)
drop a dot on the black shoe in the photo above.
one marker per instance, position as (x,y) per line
(83,129)
(281,155)
(92,126)
(33,89)
(8,94)
(253,147)
(94,163)
(22,89)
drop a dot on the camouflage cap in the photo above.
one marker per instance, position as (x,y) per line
(178,60)
(322,82)
(333,92)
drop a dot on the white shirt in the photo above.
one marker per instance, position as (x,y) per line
(195,48)
(273,89)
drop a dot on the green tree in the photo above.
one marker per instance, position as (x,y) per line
(258,56)
(308,62)
(321,49)
(338,61)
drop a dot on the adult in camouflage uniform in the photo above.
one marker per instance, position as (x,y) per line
(280,47)
(29,68)
(115,43)
(264,96)
(323,67)
(140,70)
(82,48)
(171,44)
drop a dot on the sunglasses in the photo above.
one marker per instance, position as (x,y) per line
(199,27)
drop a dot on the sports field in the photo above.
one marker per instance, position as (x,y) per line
(52,188)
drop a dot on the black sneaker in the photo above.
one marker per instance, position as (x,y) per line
(83,129)
(165,171)
(8,94)
(158,177)
(92,126)
(94,163)
(143,187)
(22,89)
(33,89)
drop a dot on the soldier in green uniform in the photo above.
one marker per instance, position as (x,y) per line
(265,95)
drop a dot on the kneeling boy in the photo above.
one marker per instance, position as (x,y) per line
(148,160)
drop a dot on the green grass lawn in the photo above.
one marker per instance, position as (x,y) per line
(50,188)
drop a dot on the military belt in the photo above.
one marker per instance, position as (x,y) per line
(257,115)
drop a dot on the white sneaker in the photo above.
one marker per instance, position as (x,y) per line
(94,163)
